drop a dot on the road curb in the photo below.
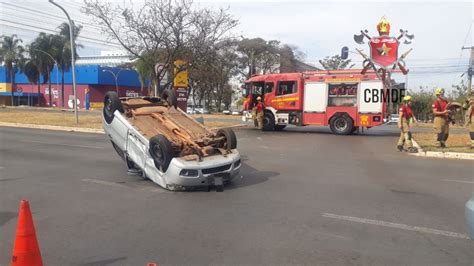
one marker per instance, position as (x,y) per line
(57,128)
(439,154)
(233,126)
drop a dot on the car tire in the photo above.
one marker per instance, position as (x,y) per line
(341,125)
(161,151)
(112,103)
(230,140)
(279,127)
(268,122)
(169,96)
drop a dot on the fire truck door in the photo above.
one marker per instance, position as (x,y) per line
(315,97)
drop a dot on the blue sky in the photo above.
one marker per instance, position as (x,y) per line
(318,28)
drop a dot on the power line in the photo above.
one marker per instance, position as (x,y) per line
(36,28)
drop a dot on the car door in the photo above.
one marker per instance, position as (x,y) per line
(136,148)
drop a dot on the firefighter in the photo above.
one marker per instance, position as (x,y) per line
(441,119)
(469,118)
(259,112)
(404,123)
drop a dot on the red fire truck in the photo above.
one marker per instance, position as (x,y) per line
(343,99)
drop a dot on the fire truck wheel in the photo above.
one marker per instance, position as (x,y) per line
(169,96)
(268,122)
(230,140)
(279,127)
(111,104)
(161,151)
(341,125)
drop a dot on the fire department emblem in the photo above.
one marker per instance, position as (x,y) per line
(384,49)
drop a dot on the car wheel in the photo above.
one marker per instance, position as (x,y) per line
(230,140)
(169,96)
(341,125)
(268,122)
(112,103)
(161,151)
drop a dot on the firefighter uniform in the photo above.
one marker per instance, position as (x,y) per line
(441,121)
(259,112)
(469,118)
(406,116)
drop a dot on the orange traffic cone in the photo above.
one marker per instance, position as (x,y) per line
(26,250)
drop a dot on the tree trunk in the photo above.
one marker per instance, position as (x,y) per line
(12,82)
(39,93)
(62,87)
(49,88)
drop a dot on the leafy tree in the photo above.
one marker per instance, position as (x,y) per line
(12,55)
(258,56)
(421,105)
(335,62)
(161,31)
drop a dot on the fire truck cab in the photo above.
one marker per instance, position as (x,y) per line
(340,98)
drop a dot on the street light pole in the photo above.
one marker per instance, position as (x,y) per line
(73,62)
(115,77)
(57,72)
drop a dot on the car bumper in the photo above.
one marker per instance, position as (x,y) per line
(470,217)
(209,172)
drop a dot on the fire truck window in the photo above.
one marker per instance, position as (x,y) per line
(342,94)
(257,88)
(286,87)
(268,87)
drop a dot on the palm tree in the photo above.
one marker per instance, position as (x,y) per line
(11,55)
(64,57)
(30,69)
(44,46)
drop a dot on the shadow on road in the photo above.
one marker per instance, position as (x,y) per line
(250,176)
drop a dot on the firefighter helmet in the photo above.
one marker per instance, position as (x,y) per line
(407,98)
(259,98)
(439,91)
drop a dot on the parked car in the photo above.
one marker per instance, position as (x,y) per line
(190,110)
(470,216)
(394,118)
(202,111)
(168,146)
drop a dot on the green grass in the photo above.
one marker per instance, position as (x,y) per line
(455,143)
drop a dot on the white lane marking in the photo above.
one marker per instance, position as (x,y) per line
(63,144)
(395,225)
(458,181)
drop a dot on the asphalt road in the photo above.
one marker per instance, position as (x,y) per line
(304,196)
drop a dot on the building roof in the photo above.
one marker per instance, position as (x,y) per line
(85,74)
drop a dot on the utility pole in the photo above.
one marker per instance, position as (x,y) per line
(470,70)
(73,61)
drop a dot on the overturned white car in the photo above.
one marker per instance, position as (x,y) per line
(164,144)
